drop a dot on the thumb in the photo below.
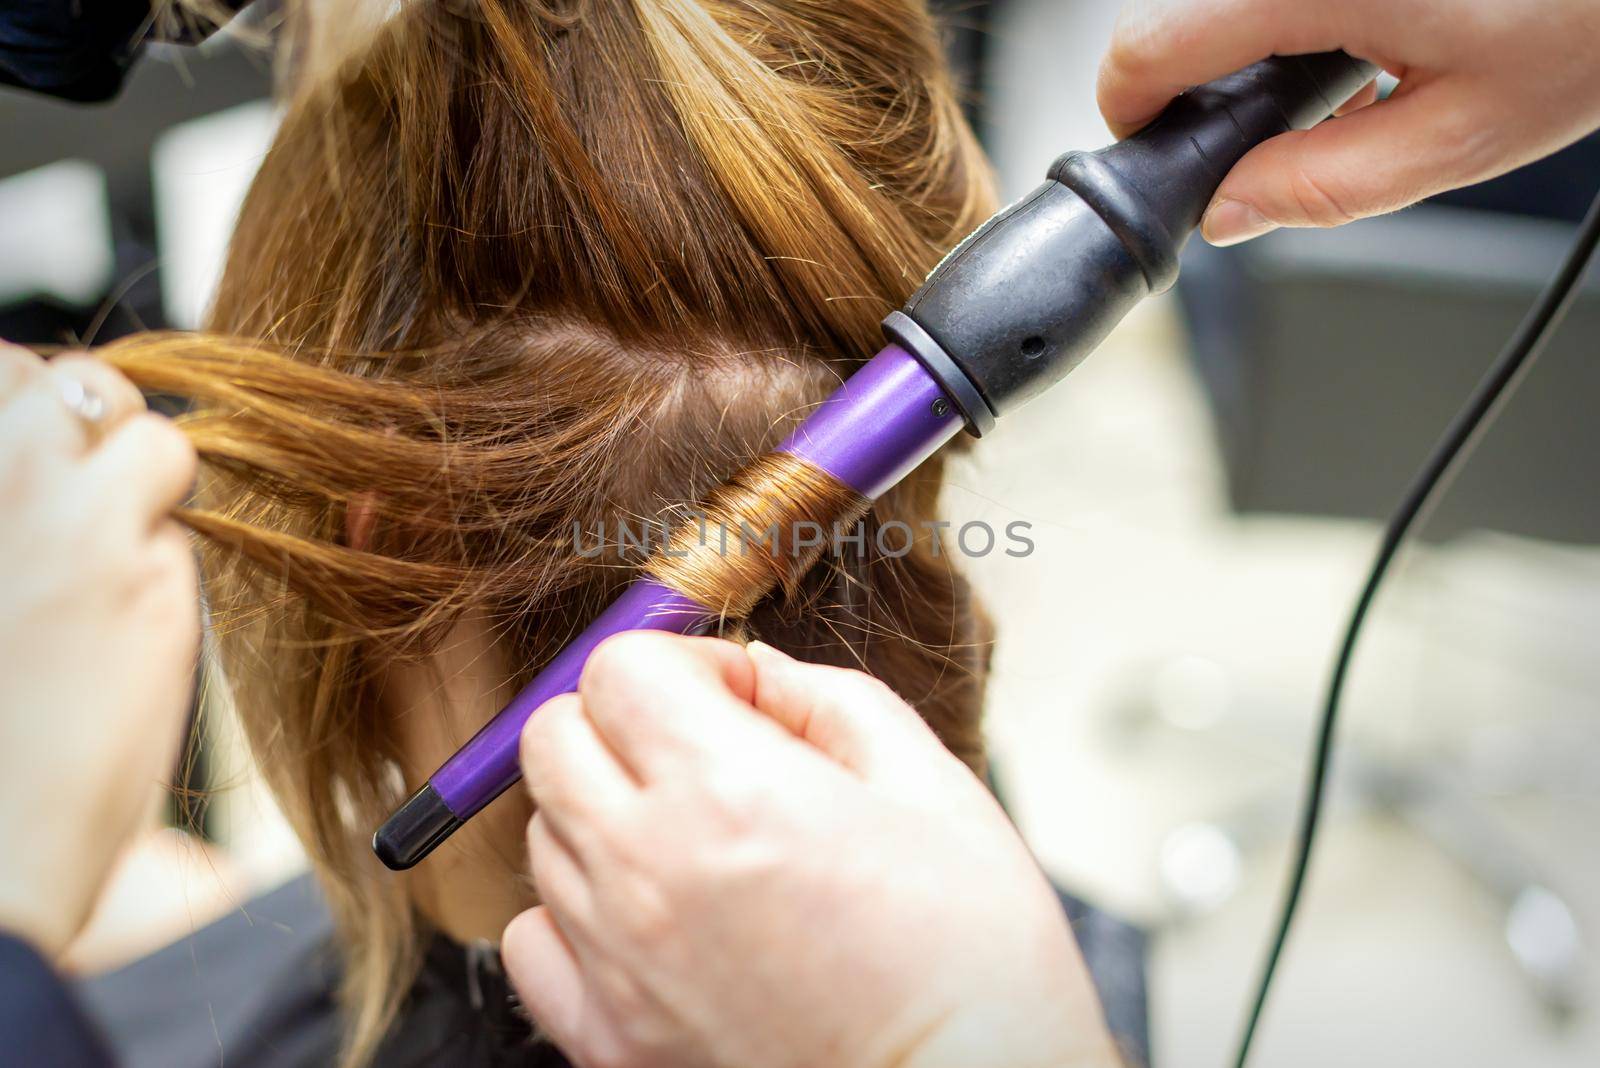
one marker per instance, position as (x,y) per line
(1378,159)
(851,717)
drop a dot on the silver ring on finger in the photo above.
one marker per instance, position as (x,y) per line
(86,405)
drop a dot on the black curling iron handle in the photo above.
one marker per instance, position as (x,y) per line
(1177,162)
(1034,290)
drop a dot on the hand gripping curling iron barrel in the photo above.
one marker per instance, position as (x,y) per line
(1002,318)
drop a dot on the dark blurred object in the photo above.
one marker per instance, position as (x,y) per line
(82,52)
(1334,359)
(68,49)
(172,84)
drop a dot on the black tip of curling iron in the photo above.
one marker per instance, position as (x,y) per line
(415,829)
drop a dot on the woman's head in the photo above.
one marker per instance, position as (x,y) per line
(512,274)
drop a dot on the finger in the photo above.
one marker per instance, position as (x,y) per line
(1379,159)
(1159,48)
(34,411)
(1366,96)
(175,575)
(545,973)
(119,397)
(146,465)
(849,716)
(667,705)
(569,770)
(17,365)
(560,879)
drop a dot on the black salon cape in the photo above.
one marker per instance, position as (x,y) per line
(40,1023)
(255,990)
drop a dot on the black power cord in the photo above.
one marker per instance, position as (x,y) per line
(1464,431)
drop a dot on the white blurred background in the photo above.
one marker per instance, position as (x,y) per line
(1162,652)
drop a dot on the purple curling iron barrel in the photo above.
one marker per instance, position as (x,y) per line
(1006,315)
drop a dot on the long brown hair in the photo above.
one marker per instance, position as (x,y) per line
(512,270)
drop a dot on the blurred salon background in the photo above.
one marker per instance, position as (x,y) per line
(1204,495)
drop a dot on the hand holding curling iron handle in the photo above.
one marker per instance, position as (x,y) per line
(1033,291)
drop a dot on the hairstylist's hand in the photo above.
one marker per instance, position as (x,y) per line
(754,862)
(99,621)
(1485,86)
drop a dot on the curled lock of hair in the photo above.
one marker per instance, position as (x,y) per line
(762,529)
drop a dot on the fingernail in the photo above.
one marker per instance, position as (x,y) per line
(762,651)
(1229,222)
(774,670)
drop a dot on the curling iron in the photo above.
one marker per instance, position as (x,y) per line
(1006,315)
